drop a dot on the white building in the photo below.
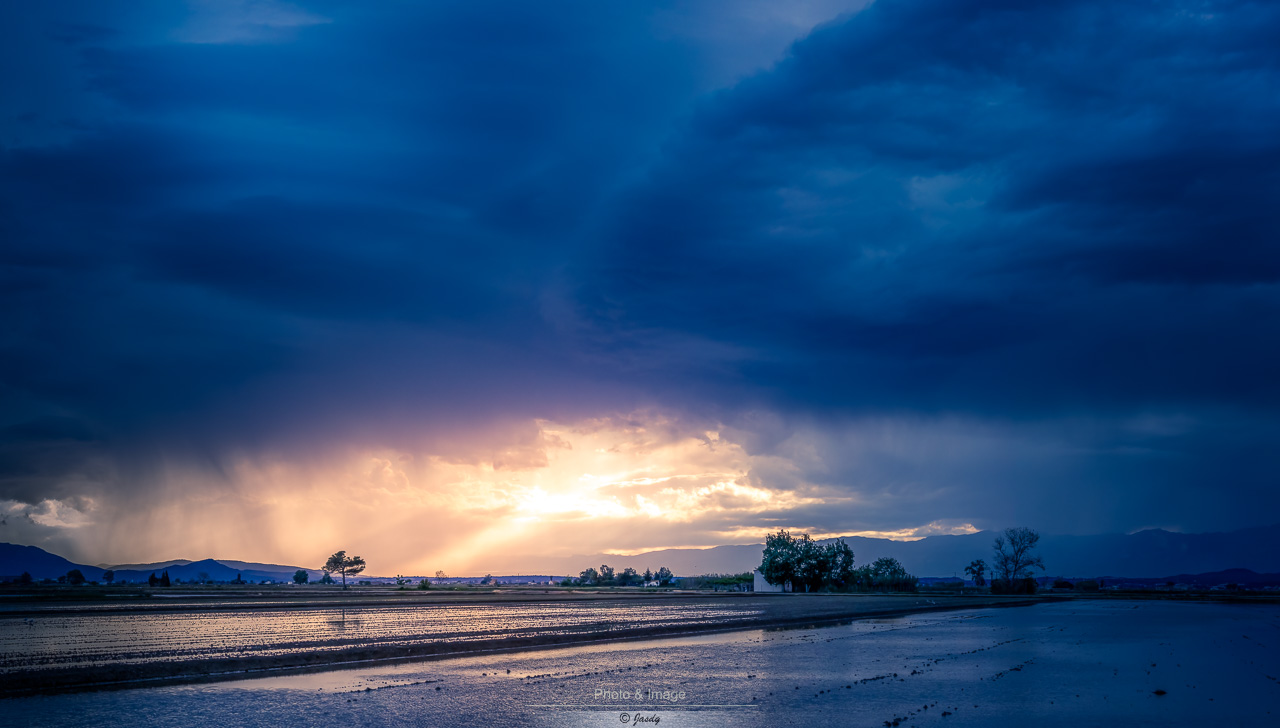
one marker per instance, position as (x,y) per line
(760,585)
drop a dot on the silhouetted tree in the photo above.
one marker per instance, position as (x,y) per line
(108,576)
(75,577)
(488,579)
(839,565)
(164,579)
(628,577)
(588,576)
(441,575)
(153,580)
(606,574)
(344,565)
(648,576)
(301,576)
(1013,560)
(25,578)
(977,569)
(664,576)
(811,566)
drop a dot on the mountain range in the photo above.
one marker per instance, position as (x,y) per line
(15,559)
(1152,554)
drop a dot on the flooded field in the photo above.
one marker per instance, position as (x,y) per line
(108,638)
(96,643)
(1068,664)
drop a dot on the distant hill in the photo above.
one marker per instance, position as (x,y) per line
(1240,577)
(41,564)
(217,569)
(147,567)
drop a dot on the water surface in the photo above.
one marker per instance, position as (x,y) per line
(1082,663)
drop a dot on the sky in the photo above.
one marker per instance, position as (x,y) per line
(437,282)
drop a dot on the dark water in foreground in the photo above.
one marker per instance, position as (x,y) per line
(1088,663)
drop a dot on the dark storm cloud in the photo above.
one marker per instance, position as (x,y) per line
(983,206)
(365,224)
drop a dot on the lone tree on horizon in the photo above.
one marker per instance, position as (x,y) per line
(1013,559)
(340,563)
(978,570)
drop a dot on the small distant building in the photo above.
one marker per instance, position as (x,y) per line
(760,585)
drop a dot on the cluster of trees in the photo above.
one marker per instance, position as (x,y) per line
(884,574)
(806,565)
(627,577)
(162,580)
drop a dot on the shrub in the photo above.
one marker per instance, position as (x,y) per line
(1021,586)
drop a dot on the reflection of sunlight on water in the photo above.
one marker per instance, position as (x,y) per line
(97,639)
